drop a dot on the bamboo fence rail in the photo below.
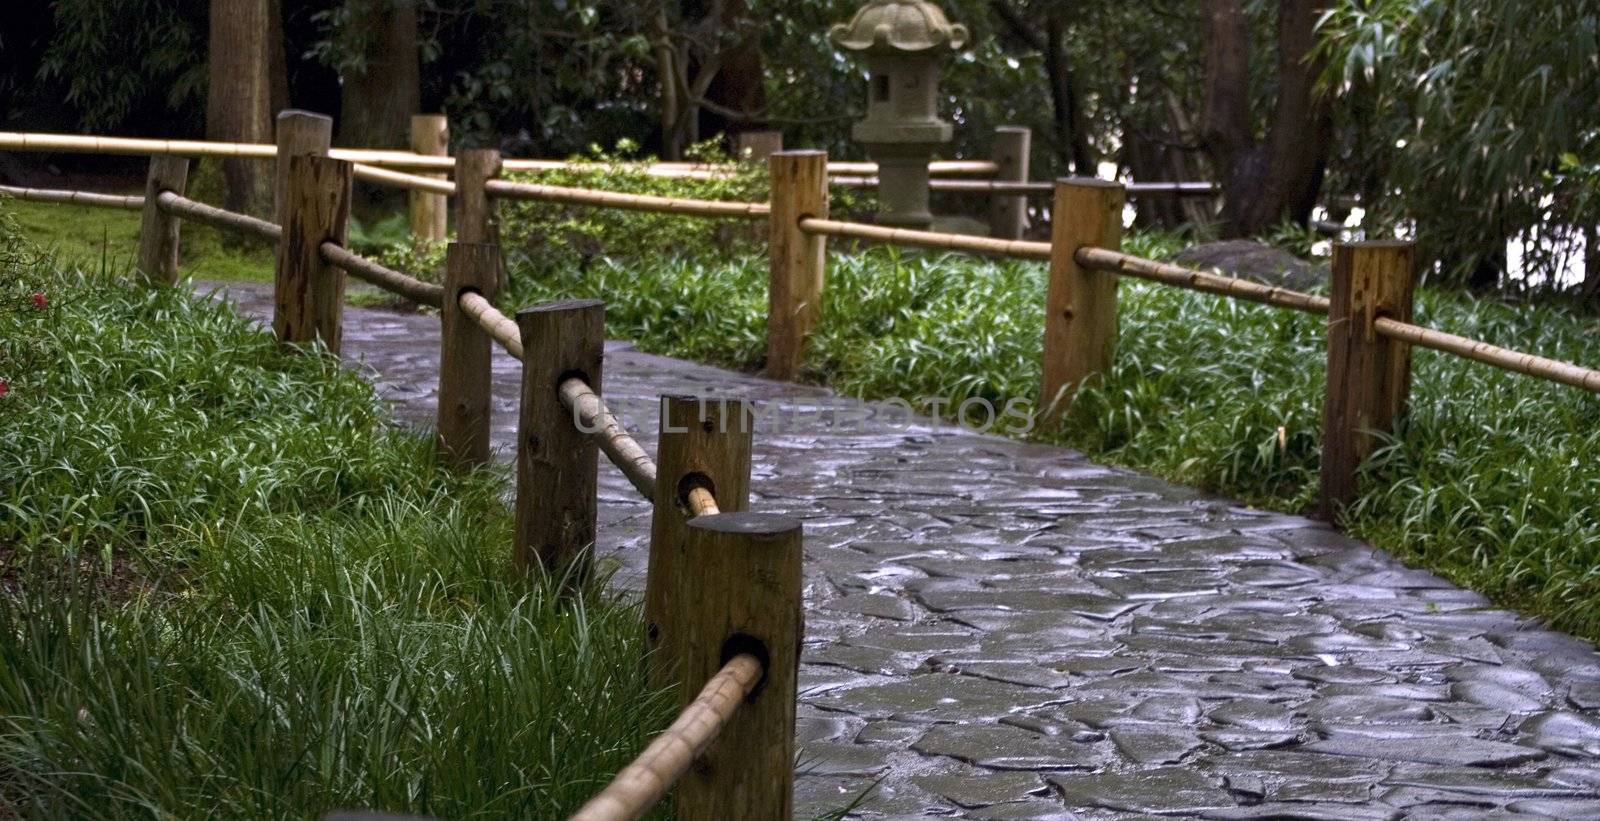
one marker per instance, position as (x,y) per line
(645,781)
(360,267)
(400,179)
(927,239)
(134,146)
(1014,188)
(217,217)
(497,325)
(632,202)
(1527,364)
(126,203)
(1116,262)
(595,419)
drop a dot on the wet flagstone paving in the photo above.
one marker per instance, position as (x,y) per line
(1003,630)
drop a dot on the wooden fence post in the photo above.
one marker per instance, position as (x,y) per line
(1008,214)
(1369,376)
(797,260)
(702,441)
(158,230)
(465,357)
(557,465)
(1080,320)
(430,213)
(298,133)
(309,293)
(740,591)
(475,209)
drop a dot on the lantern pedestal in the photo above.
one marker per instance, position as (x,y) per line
(903,184)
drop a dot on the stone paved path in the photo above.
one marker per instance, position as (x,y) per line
(999,629)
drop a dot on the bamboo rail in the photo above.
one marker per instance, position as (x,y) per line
(136,146)
(498,326)
(388,279)
(217,217)
(928,239)
(400,179)
(127,203)
(1011,188)
(645,781)
(621,448)
(1116,262)
(594,418)
(632,202)
(1527,364)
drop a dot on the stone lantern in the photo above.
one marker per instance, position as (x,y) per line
(904,43)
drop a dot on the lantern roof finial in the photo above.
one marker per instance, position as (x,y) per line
(899,26)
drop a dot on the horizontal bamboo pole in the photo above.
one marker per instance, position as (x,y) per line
(400,179)
(136,146)
(1504,358)
(1116,262)
(621,448)
(702,503)
(217,217)
(127,203)
(388,279)
(928,239)
(635,202)
(643,783)
(1003,188)
(497,325)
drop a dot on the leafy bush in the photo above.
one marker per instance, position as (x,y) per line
(231,588)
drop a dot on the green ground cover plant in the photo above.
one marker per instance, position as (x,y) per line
(229,587)
(1492,482)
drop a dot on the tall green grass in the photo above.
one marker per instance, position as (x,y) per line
(232,589)
(1494,480)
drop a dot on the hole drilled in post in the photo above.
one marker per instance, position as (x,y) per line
(739,644)
(692,482)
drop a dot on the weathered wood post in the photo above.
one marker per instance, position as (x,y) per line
(465,357)
(475,209)
(557,465)
(298,133)
(429,213)
(1080,320)
(1008,213)
(1369,376)
(705,443)
(477,214)
(309,292)
(158,230)
(757,146)
(797,260)
(740,591)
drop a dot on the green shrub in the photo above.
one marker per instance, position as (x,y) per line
(232,588)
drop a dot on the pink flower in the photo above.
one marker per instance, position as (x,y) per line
(39,301)
(5,388)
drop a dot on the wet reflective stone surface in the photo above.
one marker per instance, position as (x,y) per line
(1000,629)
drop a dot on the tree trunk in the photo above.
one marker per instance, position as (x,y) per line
(1265,183)
(738,86)
(1069,122)
(380,97)
(1072,127)
(239,97)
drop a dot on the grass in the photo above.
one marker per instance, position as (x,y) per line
(82,236)
(231,588)
(1492,482)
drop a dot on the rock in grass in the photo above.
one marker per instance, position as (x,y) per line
(1254,261)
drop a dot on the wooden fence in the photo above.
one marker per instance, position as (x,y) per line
(723,592)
